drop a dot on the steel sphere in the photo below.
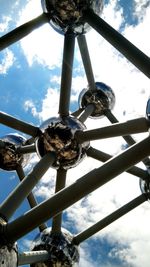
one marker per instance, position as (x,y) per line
(8,256)
(58,136)
(145,185)
(9,157)
(68,14)
(63,253)
(102,97)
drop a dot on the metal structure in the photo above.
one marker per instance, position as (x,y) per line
(62,142)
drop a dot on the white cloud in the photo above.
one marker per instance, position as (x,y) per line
(4,24)
(7,61)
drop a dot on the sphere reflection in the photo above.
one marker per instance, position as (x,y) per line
(68,14)
(102,97)
(58,135)
(9,157)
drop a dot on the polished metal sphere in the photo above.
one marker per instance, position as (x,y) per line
(58,136)
(9,157)
(8,256)
(68,14)
(63,253)
(145,185)
(102,97)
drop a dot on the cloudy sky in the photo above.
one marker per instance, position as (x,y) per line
(29,90)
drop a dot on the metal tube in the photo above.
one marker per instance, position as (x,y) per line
(102,156)
(9,206)
(33,257)
(77,112)
(83,186)
(86,113)
(119,129)
(18,124)
(31,199)
(66,75)
(26,149)
(109,219)
(23,30)
(86,61)
(60,184)
(129,140)
(131,52)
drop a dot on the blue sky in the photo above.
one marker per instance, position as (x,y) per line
(29,90)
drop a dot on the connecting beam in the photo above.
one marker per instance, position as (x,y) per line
(26,149)
(102,156)
(83,186)
(130,51)
(109,219)
(18,124)
(119,129)
(33,257)
(66,75)
(86,61)
(60,184)
(86,113)
(31,199)
(14,200)
(23,30)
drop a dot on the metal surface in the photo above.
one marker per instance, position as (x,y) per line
(109,219)
(66,75)
(131,52)
(18,124)
(77,190)
(58,137)
(9,206)
(102,156)
(60,184)
(103,98)
(62,142)
(119,129)
(68,14)
(86,61)
(22,31)
(32,257)
(63,253)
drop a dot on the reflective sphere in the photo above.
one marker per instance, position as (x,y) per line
(8,256)
(59,245)
(58,135)
(9,157)
(148,109)
(68,14)
(102,97)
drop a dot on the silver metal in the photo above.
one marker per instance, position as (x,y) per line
(33,257)
(83,186)
(10,159)
(109,219)
(61,250)
(68,14)
(8,255)
(58,136)
(102,98)
(14,200)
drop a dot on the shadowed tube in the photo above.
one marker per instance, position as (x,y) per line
(18,124)
(86,61)
(66,75)
(33,257)
(119,129)
(109,219)
(14,200)
(23,30)
(131,52)
(83,186)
